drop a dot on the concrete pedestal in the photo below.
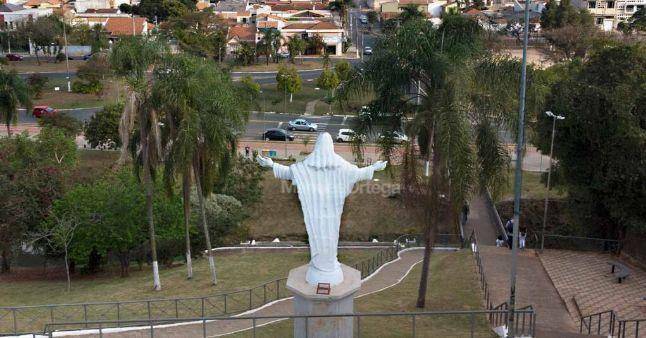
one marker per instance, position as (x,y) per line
(339,301)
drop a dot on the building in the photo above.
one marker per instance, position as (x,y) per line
(44,4)
(12,16)
(82,6)
(431,8)
(608,13)
(238,34)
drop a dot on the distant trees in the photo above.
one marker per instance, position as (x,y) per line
(43,32)
(270,43)
(571,30)
(199,33)
(37,83)
(288,80)
(600,144)
(637,22)
(296,46)
(102,130)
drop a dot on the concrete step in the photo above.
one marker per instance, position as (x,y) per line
(561,334)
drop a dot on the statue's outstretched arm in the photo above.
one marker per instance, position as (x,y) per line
(365,173)
(280,171)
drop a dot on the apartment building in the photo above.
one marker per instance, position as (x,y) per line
(608,13)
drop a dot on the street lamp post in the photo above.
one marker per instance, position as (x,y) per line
(67,59)
(549,173)
(518,176)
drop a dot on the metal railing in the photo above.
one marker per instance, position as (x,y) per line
(205,326)
(32,318)
(500,315)
(608,323)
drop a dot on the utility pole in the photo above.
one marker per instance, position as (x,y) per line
(67,59)
(518,176)
(549,173)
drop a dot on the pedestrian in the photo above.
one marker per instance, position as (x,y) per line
(510,226)
(522,237)
(499,241)
(247,151)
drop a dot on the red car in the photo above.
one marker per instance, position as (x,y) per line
(40,111)
(13,57)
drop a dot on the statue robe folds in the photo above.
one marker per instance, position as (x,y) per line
(324,179)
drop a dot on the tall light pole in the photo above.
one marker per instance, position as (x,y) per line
(549,173)
(67,59)
(518,176)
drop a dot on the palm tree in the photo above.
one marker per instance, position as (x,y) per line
(131,58)
(203,119)
(270,42)
(410,12)
(14,92)
(455,119)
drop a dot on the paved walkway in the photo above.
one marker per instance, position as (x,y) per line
(533,287)
(387,276)
(310,107)
(584,281)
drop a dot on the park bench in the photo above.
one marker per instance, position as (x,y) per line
(619,270)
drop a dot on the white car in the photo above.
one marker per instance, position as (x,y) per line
(347,135)
(367,51)
(363,19)
(398,136)
(302,124)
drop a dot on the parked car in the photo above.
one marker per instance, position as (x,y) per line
(40,111)
(276,134)
(397,136)
(302,124)
(13,57)
(283,55)
(87,56)
(367,50)
(363,19)
(347,135)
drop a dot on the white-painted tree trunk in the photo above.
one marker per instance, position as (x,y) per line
(156,281)
(291,96)
(189,266)
(214,278)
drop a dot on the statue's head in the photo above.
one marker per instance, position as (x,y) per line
(323,155)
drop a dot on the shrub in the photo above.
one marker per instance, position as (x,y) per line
(83,87)
(37,82)
(103,128)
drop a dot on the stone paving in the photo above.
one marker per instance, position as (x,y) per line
(584,281)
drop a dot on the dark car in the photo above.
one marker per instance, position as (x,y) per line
(40,111)
(13,57)
(276,134)
(87,56)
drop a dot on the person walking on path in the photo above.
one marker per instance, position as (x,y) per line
(509,227)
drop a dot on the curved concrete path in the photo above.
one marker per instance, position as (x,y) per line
(388,275)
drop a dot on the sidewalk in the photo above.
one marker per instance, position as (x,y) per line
(533,286)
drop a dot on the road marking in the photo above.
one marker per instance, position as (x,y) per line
(280,124)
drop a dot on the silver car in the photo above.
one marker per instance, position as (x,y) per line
(302,124)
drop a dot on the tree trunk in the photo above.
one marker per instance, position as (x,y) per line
(6,264)
(148,185)
(67,272)
(431,228)
(124,263)
(186,195)
(207,237)
(9,130)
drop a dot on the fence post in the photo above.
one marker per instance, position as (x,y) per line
(51,314)
(414,327)
(264,293)
(225,303)
(358,326)
(202,306)
(176,309)
(203,328)
(277,289)
(253,324)
(85,314)
(100,331)
(472,323)
(152,329)
(249,299)
(307,326)
(15,321)
(118,314)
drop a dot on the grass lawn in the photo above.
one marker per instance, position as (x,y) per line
(262,66)
(235,271)
(31,66)
(532,187)
(64,100)
(452,286)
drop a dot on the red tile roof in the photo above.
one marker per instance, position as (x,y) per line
(242,32)
(123,26)
(321,25)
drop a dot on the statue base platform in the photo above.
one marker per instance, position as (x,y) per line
(340,300)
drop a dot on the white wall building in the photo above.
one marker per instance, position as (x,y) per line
(608,13)
(11,16)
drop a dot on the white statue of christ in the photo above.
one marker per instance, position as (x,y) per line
(323,179)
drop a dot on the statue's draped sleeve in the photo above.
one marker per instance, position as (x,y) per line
(363,174)
(282,172)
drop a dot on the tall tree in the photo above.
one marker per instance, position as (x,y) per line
(14,92)
(43,32)
(342,7)
(288,81)
(571,30)
(455,127)
(600,144)
(131,58)
(203,116)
